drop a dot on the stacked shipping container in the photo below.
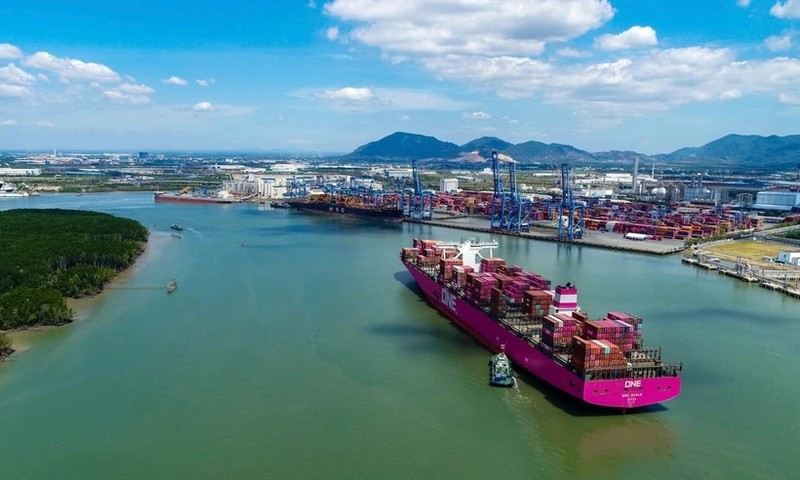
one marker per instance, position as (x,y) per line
(590,354)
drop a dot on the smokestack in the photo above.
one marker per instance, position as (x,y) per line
(635,176)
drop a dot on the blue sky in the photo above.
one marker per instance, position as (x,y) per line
(644,75)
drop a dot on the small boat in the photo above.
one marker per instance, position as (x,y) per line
(176,235)
(500,373)
(172,285)
(175,226)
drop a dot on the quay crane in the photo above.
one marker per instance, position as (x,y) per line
(569,228)
(420,203)
(509,213)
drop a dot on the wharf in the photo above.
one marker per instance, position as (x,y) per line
(613,241)
(749,277)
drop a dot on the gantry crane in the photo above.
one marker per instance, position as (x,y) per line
(420,203)
(570,217)
(509,213)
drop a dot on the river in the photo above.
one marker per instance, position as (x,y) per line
(296,346)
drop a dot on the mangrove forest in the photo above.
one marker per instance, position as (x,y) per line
(47,255)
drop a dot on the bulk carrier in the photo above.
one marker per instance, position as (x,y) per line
(347,205)
(600,362)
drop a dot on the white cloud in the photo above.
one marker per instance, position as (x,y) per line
(332,33)
(203,107)
(71,69)
(743,3)
(173,80)
(404,118)
(634,37)
(476,115)
(789,98)
(130,93)
(135,89)
(12,74)
(205,82)
(45,124)
(14,90)
(9,123)
(511,27)
(513,77)
(382,99)
(572,53)
(788,9)
(732,94)
(658,80)
(777,43)
(9,51)
(348,94)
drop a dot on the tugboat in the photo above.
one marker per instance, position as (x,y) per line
(500,373)
(175,226)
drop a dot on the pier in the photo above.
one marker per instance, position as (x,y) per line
(608,240)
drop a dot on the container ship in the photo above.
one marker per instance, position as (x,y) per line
(347,205)
(187,197)
(541,329)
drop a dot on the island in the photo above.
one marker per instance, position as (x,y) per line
(49,255)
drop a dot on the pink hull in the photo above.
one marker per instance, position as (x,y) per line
(622,393)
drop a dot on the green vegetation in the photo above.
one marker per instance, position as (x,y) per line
(47,255)
(5,345)
(793,234)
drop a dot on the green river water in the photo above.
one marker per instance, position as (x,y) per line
(296,346)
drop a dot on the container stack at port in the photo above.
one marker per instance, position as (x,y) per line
(678,221)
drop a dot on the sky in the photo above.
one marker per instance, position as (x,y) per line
(328,76)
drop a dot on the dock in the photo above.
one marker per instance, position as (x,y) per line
(770,283)
(592,238)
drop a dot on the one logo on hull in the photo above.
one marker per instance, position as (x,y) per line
(633,384)
(449,299)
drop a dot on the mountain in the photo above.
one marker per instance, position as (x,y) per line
(742,151)
(486,145)
(538,152)
(618,156)
(731,151)
(406,146)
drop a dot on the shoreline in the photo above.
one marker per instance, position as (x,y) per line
(80,307)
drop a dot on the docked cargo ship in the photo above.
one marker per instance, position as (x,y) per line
(542,330)
(347,205)
(187,197)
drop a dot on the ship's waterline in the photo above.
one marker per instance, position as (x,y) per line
(308,353)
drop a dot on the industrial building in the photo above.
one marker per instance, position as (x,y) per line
(784,201)
(790,258)
(448,185)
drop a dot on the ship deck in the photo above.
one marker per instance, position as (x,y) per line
(643,362)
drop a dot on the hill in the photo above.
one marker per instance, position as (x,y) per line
(538,152)
(731,151)
(406,146)
(748,151)
(485,145)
